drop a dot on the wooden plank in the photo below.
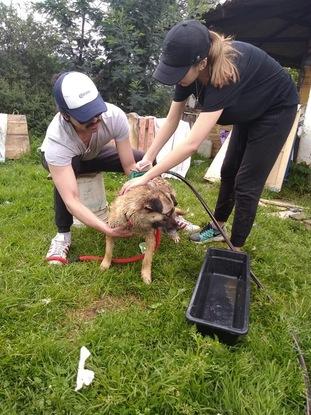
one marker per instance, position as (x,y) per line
(280,203)
(304,91)
(150,133)
(276,177)
(133,120)
(142,133)
(145,138)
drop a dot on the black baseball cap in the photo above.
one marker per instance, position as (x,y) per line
(184,45)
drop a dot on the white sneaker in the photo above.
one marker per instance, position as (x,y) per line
(185,225)
(57,253)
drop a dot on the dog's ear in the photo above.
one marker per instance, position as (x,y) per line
(154,205)
(174,199)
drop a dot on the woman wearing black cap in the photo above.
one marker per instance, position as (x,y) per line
(234,83)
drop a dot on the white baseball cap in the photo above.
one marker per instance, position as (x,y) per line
(76,94)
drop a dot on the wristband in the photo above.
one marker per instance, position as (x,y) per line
(135,174)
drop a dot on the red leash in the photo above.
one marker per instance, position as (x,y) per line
(58,259)
(85,258)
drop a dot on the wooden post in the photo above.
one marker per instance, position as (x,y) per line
(304,151)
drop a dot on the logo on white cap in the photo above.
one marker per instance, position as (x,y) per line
(78,89)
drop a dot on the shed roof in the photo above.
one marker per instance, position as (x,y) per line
(280,27)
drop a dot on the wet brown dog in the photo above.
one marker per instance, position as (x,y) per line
(144,209)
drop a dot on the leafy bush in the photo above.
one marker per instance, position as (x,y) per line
(299,179)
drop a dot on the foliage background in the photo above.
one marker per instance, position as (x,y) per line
(116,42)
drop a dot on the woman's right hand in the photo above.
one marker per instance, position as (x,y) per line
(137,181)
(144,164)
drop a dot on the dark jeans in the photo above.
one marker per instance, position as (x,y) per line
(108,161)
(252,152)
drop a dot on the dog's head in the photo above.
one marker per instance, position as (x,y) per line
(154,206)
(146,207)
(159,211)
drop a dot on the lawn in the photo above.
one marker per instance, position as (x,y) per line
(147,359)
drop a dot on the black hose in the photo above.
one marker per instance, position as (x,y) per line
(221,230)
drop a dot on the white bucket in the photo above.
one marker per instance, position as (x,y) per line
(205,148)
(93,195)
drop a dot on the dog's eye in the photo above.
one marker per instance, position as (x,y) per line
(169,214)
(154,205)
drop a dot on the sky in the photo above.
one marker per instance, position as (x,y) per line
(18,2)
(15,3)
(19,5)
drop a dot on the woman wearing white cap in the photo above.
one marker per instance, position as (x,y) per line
(76,142)
(234,83)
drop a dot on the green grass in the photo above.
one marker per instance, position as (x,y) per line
(147,359)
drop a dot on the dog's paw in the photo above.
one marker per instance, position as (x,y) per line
(146,277)
(105,265)
(174,236)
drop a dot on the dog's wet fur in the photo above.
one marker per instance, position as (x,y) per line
(142,210)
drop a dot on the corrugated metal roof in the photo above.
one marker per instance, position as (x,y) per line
(280,27)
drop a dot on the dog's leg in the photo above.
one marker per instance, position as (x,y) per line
(174,236)
(106,262)
(179,211)
(147,261)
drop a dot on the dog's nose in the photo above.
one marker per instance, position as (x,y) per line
(157,225)
(170,224)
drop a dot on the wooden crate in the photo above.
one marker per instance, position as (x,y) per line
(142,131)
(214,136)
(17,138)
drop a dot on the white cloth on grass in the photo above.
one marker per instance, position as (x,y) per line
(213,172)
(181,132)
(3,130)
(84,376)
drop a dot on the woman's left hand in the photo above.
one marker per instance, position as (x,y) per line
(137,181)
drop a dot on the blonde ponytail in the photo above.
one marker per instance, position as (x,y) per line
(222,68)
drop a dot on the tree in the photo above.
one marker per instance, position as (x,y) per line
(132,32)
(75,22)
(27,64)
(118,43)
(194,9)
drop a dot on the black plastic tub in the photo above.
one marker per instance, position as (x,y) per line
(220,301)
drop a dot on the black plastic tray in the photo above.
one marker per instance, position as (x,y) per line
(220,301)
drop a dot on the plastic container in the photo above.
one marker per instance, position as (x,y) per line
(220,301)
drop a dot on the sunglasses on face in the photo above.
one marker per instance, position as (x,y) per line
(90,122)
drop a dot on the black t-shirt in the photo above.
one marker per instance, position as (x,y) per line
(263,85)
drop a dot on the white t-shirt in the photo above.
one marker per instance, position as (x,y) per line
(62,143)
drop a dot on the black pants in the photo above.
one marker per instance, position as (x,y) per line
(108,161)
(252,152)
